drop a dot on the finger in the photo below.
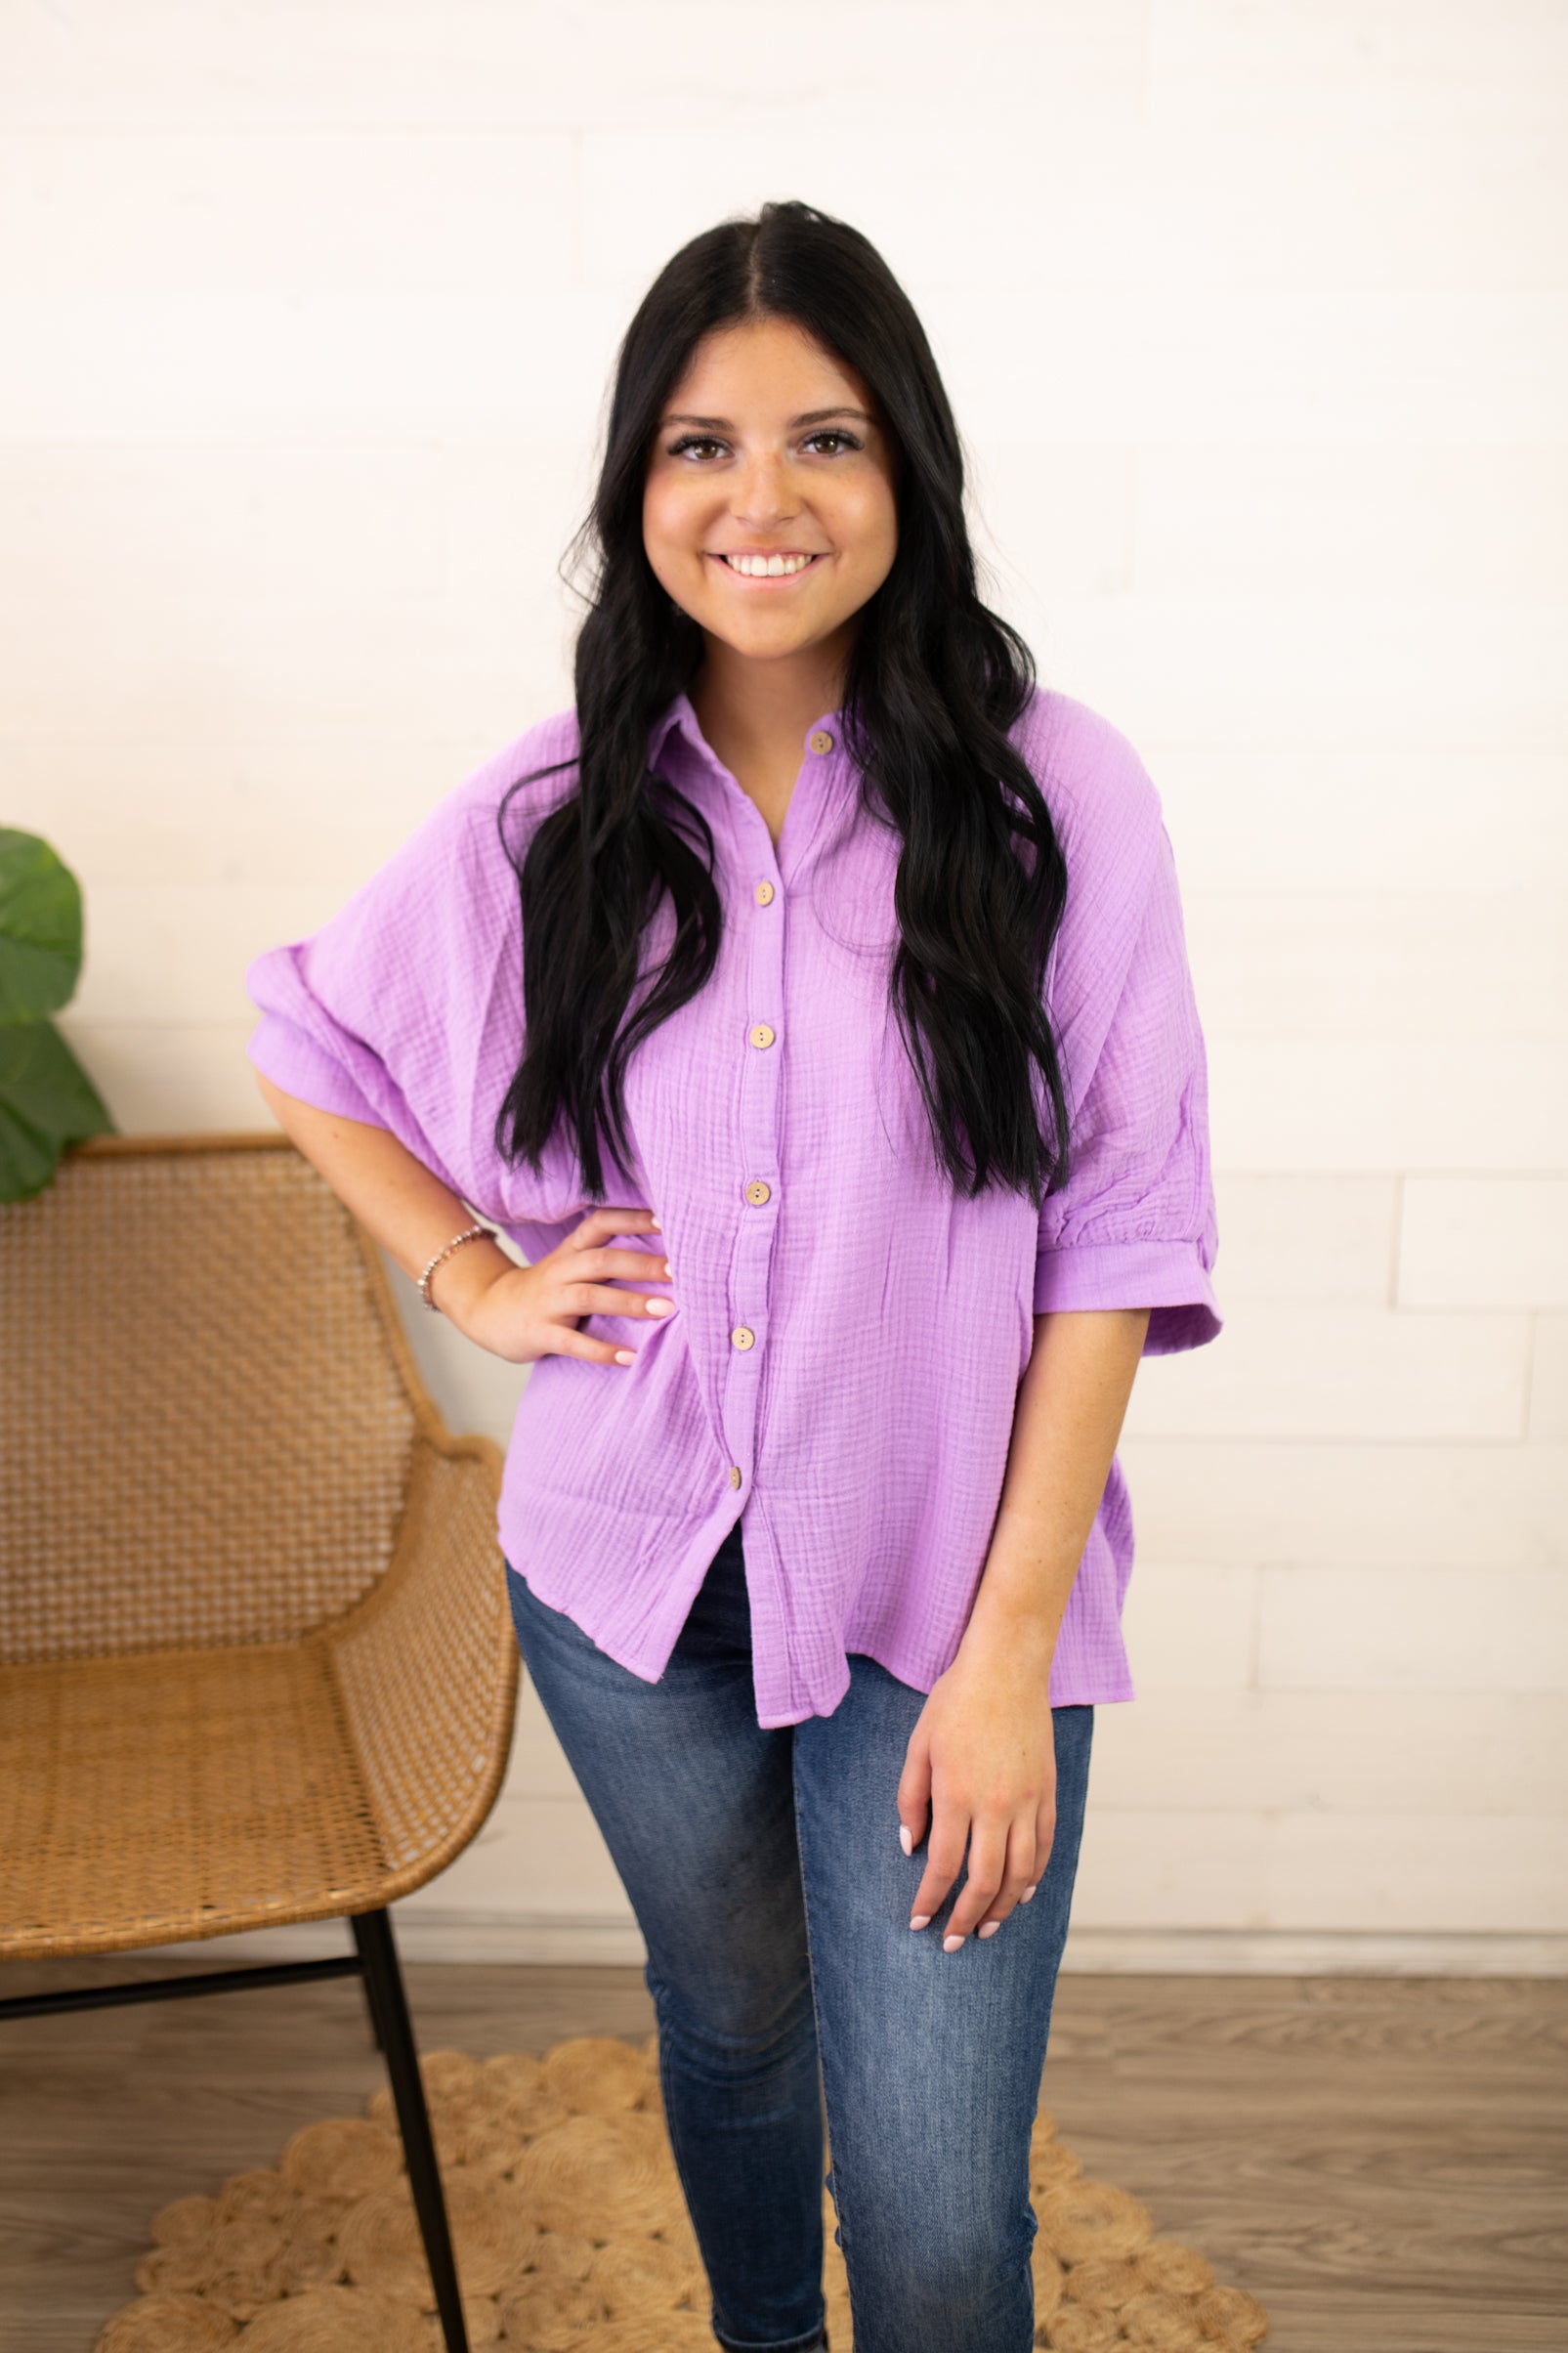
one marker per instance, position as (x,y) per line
(600,1224)
(564,1342)
(950,1831)
(913,1792)
(988,1868)
(1044,1840)
(599,1298)
(1019,1875)
(640,1264)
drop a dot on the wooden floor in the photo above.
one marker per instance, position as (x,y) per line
(1382,2161)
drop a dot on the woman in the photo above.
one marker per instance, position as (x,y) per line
(863,958)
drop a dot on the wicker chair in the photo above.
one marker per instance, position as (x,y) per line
(256,1660)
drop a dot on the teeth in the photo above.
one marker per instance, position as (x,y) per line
(772,568)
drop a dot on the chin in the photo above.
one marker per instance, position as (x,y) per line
(768,649)
(759,633)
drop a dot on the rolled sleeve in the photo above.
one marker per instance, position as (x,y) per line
(283,1050)
(380,1015)
(1135,1224)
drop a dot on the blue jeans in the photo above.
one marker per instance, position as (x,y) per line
(774,1899)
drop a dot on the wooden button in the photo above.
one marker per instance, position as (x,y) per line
(735,1475)
(757,1192)
(762,1035)
(744,1337)
(763,894)
(822,740)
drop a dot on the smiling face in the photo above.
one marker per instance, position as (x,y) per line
(769,509)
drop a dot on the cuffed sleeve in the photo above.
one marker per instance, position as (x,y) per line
(283,1050)
(1136,1226)
(396,1010)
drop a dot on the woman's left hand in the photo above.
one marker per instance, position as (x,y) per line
(982,1761)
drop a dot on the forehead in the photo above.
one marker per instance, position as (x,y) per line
(767,367)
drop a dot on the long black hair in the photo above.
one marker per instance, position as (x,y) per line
(934,681)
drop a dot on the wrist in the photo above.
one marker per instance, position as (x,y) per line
(459,1283)
(1004,1627)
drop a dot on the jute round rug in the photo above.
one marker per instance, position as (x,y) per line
(570,2230)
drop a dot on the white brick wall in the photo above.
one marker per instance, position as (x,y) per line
(1253,319)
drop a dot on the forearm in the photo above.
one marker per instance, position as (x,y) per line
(1072,1402)
(395,1198)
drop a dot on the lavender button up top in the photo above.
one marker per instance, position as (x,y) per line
(842,1366)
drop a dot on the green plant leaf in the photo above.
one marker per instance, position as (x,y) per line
(47,1101)
(40,928)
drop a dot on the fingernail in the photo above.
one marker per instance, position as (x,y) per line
(660,1307)
(655,1224)
(951,1943)
(669,1273)
(989,1928)
(1028,1893)
(905,1840)
(921,1920)
(625,1357)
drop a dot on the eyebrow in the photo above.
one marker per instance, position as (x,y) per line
(813,416)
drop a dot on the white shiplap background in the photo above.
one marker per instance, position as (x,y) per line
(1252,311)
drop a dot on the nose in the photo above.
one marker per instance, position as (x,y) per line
(764,494)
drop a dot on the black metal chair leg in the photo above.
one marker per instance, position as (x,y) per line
(376,2036)
(388,2012)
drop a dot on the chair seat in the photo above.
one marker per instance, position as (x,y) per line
(152,1797)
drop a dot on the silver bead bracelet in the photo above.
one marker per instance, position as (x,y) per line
(475,1234)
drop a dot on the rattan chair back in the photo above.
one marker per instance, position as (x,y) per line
(207,1416)
(256,1659)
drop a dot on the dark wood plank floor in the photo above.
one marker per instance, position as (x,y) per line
(1383,2161)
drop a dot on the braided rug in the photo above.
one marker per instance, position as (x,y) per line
(570,2230)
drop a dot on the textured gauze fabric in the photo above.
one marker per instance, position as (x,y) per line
(842,1365)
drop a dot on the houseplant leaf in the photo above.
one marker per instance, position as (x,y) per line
(47,1101)
(40,928)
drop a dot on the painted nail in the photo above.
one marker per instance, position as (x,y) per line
(905,1840)
(951,1943)
(921,1920)
(655,1224)
(1028,1893)
(625,1356)
(660,1307)
(989,1928)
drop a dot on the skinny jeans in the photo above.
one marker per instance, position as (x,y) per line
(765,1873)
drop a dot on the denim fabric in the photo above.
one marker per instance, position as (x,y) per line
(774,1899)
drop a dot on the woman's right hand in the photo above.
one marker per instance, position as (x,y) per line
(526,1313)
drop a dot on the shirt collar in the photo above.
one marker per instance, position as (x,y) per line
(679,718)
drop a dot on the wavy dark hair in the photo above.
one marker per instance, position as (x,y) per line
(934,681)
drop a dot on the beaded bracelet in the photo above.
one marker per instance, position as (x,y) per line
(475,1234)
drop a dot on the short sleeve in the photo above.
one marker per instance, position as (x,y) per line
(403,1010)
(369,1017)
(1136,1226)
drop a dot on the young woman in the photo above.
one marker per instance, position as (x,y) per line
(862,959)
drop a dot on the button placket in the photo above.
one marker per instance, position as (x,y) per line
(756,1174)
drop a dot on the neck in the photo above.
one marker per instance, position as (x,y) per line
(761,709)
